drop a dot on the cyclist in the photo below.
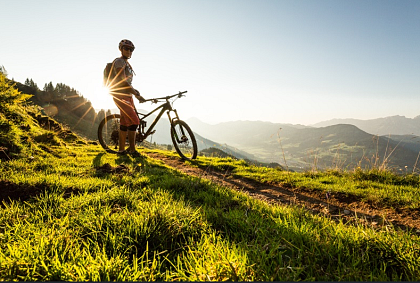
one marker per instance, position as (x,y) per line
(122,92)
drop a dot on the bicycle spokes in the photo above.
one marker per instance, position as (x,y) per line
(108,132)
(183,140)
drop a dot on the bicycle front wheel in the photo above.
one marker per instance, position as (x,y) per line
(108,132)
(183,140)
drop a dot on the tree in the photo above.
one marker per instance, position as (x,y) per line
(100,116)
(34,85)
(3,71)
(49,88)
(49,92)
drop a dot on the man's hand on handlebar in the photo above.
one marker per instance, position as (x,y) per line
(139,97)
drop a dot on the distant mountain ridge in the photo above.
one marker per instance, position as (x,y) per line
(392,125)
(342,145)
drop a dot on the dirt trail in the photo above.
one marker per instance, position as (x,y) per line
(337,206)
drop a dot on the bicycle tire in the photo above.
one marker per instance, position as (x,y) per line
(108,132)
(183,140)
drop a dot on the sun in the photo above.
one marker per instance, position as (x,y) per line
(101,99)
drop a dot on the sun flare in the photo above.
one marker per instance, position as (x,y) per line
(101,99)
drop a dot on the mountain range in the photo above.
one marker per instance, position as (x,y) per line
(393,125)
(334,145)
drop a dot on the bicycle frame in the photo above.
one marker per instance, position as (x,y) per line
(164,107)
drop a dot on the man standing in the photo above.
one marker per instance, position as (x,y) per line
(122,90)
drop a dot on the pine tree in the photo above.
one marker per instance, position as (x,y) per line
(34,85)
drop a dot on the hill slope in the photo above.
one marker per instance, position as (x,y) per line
(24,131)
(65,105)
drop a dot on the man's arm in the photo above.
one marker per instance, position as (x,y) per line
(123,84)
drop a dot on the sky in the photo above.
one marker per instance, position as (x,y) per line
(281,61)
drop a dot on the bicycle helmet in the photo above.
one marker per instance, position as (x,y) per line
(125,42)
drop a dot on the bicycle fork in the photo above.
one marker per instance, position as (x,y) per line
(172,121)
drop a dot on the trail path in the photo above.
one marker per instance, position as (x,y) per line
(337,206)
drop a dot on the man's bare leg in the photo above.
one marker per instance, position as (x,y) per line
(132,140)
(122,138)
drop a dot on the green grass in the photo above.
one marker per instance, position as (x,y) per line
(381,187)
(149,222)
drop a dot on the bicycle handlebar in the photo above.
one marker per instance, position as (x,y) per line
(179,94)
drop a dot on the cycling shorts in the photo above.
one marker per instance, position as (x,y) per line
(127,112)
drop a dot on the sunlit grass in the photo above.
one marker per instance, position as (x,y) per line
(378,186)
(151,222)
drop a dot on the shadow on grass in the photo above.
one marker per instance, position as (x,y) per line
(15,192)
(97,160)
(123,161)
(272,241)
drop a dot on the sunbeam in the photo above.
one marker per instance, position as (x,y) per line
(83,116)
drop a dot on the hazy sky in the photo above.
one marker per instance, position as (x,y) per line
(298,62)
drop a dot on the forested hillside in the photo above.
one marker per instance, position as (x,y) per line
(66,105)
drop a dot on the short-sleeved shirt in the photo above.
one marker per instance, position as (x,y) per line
(121,63)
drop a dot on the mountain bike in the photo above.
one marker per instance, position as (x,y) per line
(181,134)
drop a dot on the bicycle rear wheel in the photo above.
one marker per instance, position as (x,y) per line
(108,132)
(183,140)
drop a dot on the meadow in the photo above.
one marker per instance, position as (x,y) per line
(89,215)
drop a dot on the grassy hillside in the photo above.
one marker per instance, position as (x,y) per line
(65,105)
(71,211)
(81,214)
(24,131)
